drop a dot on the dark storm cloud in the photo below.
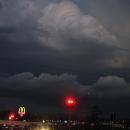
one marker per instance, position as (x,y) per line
(58,31)
(111,86)
(64,21)
(43,89)
(67,41)
(29,16)
(6,30)
(1,5)
(49,90)
(58,37)
(113,14)
(32,31)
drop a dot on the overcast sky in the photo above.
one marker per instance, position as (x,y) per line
(53,48)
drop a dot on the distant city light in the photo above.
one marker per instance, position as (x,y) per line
(43,121)
(45,128)
(65,121)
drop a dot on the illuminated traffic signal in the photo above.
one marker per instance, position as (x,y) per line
(12,117)
(70,102)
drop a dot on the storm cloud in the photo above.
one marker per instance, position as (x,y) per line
(61,28)
(64,21)
(40,89)
(49,90)
(49,48)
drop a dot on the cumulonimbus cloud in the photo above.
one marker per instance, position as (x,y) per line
(64,21)
(47,86)
(111,87)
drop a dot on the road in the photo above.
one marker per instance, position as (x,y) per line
(18,123)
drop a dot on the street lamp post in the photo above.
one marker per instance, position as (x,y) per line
(70,102)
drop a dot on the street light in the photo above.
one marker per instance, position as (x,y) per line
(43,121)
(70,103)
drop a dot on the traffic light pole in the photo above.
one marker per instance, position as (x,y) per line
(70,102)
(69,119)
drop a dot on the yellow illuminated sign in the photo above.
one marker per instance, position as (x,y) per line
(21,111)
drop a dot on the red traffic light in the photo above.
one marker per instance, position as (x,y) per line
(12,116)
(70,102)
